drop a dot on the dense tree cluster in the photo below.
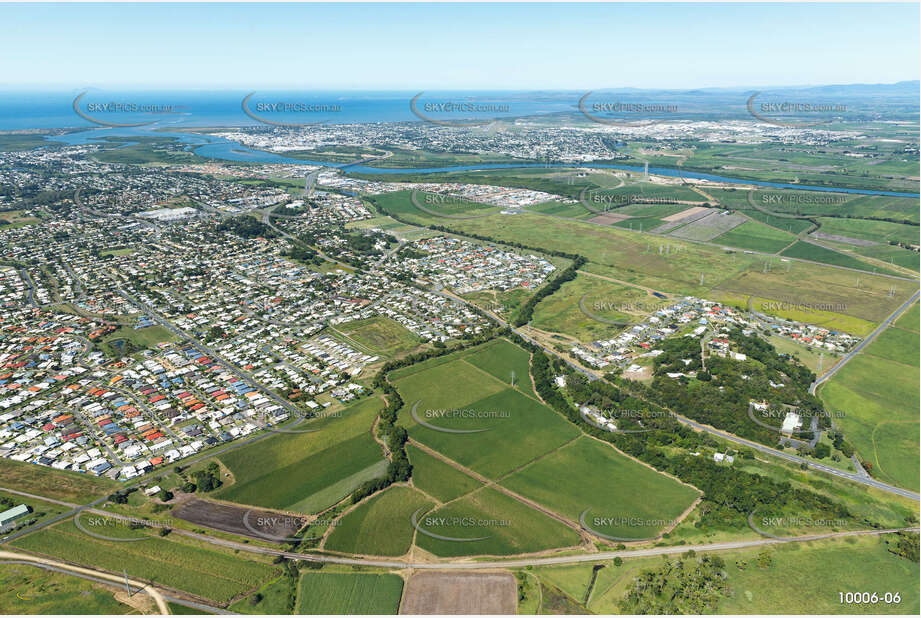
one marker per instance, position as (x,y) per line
(688,585)
(526,312)
(730,494)
(245,226)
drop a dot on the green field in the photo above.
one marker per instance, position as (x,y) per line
(67,486)
(33,590)
(379,335)
(505,361)
(437,478)
(184,565)
(891,254)
(897,345)
(877,391)
(274,599)
(349,593)
(911,319)
(610,486)
(807,578)
(756,236)
(379,526)
(800,578)
(864,229)
(561,312)
(515,430)
(287,471)
(815,253)
(674,266)
(487,522)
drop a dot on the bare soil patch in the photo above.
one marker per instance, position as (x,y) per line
(460,593)
(255,523)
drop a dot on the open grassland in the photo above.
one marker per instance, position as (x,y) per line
(273,601)
(849,294)
(437,478)
(891,254)
(897,345)
(807,578)
(911,319)
(561,312)
(380,335)
(809,314)
(807,355)
(756,236)
(381,525)
(810,251)
(68,486)
(487,522)
(864,229)
(613,489)
(657,211)
(284,470)
(798,578)
(349,593)
(879,401)
(169,561)
(31,590)
(676,266)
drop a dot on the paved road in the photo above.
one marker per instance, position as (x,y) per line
(243,375)
(895,314)
(855,477)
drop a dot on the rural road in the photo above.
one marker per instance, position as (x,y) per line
(851,476)
(201,607)
(895,314)
(99,575)
(469,564)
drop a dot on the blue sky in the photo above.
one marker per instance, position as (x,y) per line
(449,46)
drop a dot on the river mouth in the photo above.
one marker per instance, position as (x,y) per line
(223,149)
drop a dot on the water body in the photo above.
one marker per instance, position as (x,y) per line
(216,147)
(54,109)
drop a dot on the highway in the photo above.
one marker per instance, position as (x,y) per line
(893,316)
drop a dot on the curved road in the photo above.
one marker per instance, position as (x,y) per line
(851,476)
(82,571)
